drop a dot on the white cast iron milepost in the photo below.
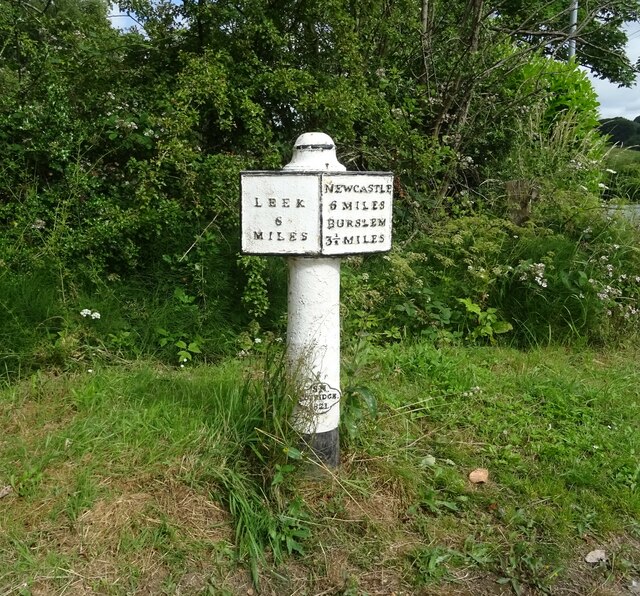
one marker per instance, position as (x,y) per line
(313,211)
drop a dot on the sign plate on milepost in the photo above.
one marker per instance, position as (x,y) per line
(323,214)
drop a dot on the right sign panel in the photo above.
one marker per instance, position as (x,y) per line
(356,213)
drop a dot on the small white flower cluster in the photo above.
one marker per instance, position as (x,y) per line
(536,271)
(472,391)
(466,161)
(577,165)
(38,224)
(87,312)
(625,310)
(608,293)
(125,124)
(608,267)
(497,271)
(620,294)
(480,272)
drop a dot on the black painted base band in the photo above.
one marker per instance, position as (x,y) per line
(325,447)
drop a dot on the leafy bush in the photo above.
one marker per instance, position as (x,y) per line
(570,276)
(119,182)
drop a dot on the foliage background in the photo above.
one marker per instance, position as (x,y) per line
(119,174)
(122,152)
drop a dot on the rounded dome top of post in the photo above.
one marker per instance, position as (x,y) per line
(314,151)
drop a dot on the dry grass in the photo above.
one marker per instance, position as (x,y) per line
(99,542)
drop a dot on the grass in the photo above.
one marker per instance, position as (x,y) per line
(619,157)
(140,479)
(625,182)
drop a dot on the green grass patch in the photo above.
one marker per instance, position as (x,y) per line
(618,156)
(142,479)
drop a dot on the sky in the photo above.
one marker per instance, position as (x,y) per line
(621,101)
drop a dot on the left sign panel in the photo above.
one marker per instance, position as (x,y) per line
(280,213)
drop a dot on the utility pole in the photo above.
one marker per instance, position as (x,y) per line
(573,21)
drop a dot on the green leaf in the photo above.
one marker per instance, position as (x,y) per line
(369,399)
(502,327)
(293,453)
(428,461)
(470,305)
(294,545)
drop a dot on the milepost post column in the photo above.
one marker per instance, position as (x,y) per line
(314,212)
(313,323)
